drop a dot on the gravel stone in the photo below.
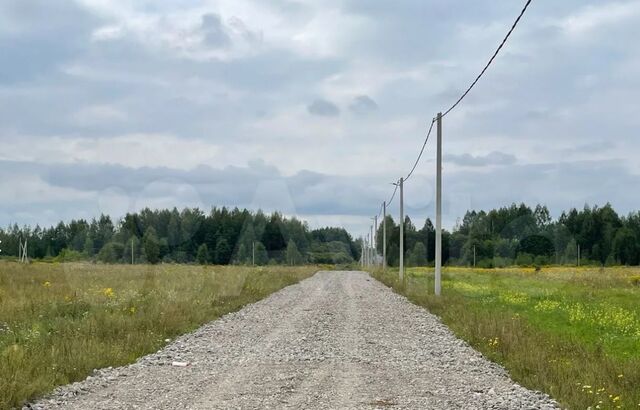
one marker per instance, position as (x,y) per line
(338,340)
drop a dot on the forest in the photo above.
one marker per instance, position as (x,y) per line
(521,235)
(513,235)
(222,236)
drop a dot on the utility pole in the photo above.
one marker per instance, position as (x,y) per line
(474,256)
(373,244)
(401,230)
(438,270)
(375,238)
(578,254)
(368,250)
(384,235)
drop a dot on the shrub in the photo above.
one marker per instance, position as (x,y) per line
(111,252)
(69,255)
(524,259)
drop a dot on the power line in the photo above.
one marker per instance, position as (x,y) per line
(393,195)
(490,60)
(486,67)
(421,151)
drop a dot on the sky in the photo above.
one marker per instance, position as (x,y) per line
(314,108)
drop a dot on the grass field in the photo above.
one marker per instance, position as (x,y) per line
(58,322)
(571,332)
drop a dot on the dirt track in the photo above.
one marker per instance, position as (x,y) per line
(339,340)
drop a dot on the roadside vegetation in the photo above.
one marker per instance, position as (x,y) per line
(58,322)
(573,333)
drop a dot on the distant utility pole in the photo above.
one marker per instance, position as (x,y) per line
(375,238)
(401,272)
(22,251)
(474,256)
(384,235)
(367,250)
(438,270)
(578,255)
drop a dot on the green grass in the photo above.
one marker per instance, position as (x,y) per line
(58,322)
(573,333)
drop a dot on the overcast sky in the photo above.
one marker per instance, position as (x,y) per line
(314,107)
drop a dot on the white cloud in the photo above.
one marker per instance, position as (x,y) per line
(594,17)
(98,114)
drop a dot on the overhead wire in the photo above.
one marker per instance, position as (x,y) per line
(493,57)
(462,97)
(421,151)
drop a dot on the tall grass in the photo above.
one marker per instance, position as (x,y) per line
(573,333)
(58,322)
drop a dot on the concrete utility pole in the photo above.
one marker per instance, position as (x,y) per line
(384,235)
(474,256)
(375,238)
(578,254)
(401,230)
(438,270)
(373,245)
(366,250)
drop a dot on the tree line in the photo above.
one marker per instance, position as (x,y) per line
(222,236)
(521,235)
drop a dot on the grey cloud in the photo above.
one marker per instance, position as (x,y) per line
(493,158)
(323,108)
(214,32)
(363,104)
(252,37)
(47,34)
(311,193)
(594,147)
(314,193)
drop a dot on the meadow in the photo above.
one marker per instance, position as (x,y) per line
(573,333)
(59,321)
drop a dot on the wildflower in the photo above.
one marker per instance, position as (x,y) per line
(620,376)
(617,398)
(108,292)
(46,284)
(132,309)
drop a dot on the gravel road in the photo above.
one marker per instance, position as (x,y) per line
(338,340)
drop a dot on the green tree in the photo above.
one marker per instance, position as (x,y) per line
(203,254)
(293,255)
(242,256)
(151,245)
(418,256)
(262,257)
(111,252)
(223,252)
(88,247)
(625,247)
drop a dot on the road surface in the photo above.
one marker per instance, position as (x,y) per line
(339,340)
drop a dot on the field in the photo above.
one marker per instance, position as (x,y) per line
(58,322)
(571,332)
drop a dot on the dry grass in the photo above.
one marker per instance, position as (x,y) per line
(58,322)
(571,332)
